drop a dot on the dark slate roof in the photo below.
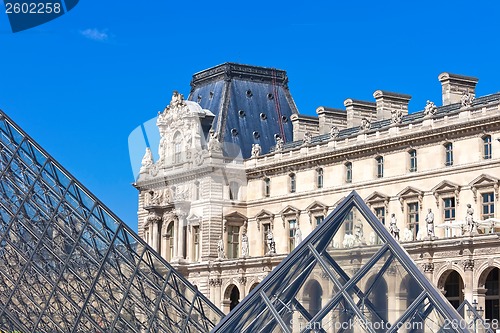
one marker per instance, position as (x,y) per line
(384,123)
(251,104)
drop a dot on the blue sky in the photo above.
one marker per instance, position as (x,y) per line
(80,84)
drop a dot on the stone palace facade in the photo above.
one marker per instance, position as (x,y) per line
(242,178)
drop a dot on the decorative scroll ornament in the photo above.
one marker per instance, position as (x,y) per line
(334,132)
(397,116)
(466,99)
(307,138)
(365,125)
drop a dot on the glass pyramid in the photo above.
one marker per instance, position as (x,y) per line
(68,264)
(348,275)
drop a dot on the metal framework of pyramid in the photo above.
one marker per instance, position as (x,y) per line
(67,264)
(348,275)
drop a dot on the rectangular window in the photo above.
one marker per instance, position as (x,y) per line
(380,213)
(413,218)
(488,205)
(267,187)
(319,180)
(448,154)
(177,153)
(196,243)
(292,224)
(319,219)
(348,172)
(487,147)
(380,167)
(349,223)
(449,209)
(413,160)
(293,183)
(233,241)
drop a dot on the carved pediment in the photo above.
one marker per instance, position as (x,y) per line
(338,202)
(289,211)
(316,208)
(235,216)
(377,197)
(194,219)
(410,191)
(264,215)
(482,182)
(446,187)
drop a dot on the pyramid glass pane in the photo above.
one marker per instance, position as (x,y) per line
(348,275)
(69,265)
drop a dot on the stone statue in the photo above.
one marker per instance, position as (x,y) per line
(430,109)
(429,219)
(298,236)
(279,143)
(358,233)
(162,150)
(177,100)
(147,161)
(244,245)
(220,248)
(307,138)
(471,225)
(271,245)
(334,132)
(156,198)
(397,116)
(365,125)
(466,99)
(256,150)
(393,227)
(213,142)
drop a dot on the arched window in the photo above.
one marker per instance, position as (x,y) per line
(380,166)
(348,172)
(170,241)
(267,187)
(448,148)
(293,183)
(313,297)
(487,147)
(234,189)
(453,287)
(319,178)
(492,302)
(412,154)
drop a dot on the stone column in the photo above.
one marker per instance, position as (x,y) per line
(155,234)
(180,235)
(468,279)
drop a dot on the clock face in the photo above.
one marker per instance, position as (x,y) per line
(27,14)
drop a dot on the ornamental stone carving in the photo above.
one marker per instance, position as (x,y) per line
(468,264)
(334,132)
(242,280)
(430,109)
(307,138)
(152,217)
(215,282)
(279,143)
(147,161)
(365,125)
(256,150)
(397,116)
(428,267)
(466,99)
(213,142)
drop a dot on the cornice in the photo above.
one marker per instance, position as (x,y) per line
(368,148)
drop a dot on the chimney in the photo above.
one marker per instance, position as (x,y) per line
(329,117)
(357,110)
(387,102)
(455,86)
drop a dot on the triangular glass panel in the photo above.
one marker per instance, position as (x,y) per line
(68,264)
(348,275)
